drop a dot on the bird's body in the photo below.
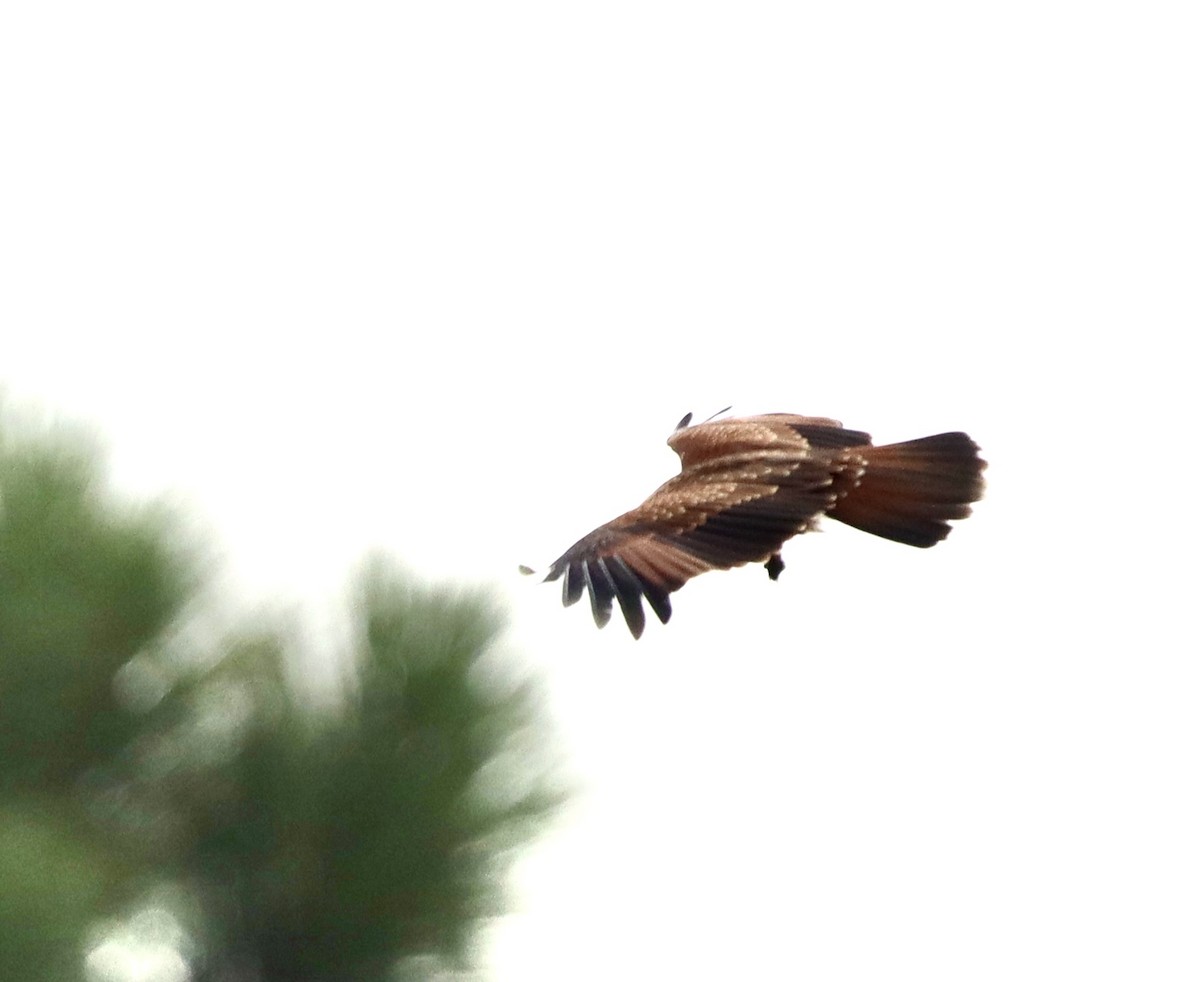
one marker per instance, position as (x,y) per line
(749,484)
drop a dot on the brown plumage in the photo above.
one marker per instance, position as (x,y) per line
(750,484)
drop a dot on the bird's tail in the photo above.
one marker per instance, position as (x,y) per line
(907,492)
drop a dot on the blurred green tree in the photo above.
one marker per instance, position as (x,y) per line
(353,837)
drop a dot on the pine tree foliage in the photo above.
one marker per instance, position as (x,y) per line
(301,839)
(84,585)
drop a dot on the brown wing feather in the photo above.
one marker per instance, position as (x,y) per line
(773,433)
(694,523)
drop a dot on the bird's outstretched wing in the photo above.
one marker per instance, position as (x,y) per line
(747,486)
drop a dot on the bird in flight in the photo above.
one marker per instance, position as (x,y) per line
(749,484)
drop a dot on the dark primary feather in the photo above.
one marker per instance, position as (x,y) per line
(600,588)
(629,594)
(749,484)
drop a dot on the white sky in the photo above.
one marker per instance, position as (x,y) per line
(441,277)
